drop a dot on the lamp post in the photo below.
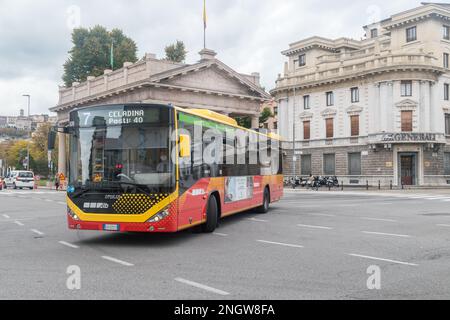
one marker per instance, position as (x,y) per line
(29,132)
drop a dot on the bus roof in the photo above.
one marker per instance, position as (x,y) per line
(215,116)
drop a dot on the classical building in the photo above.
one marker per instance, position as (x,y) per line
(372,110)
(208,84)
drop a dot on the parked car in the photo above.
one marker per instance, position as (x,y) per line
(19,180)
(1,183)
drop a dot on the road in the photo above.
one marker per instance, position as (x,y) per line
(311,245)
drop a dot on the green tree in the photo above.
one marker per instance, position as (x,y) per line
(176,52)
(265,115)
(17,153)
(91,53)
(245,122)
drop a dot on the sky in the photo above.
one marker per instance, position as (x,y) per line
(248,35)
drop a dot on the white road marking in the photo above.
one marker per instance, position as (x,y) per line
(19,223)
(118,261)
(220,234)
(60,202)
(321,214)
(281,244)
(444,225)
(257,220)
(387,234)
(6,216)
(382,259)
(48,200)
(68,244)
(37,232)
(202,286)
(376,219)
(314,227)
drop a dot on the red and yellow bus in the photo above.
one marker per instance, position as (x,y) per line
(160,168)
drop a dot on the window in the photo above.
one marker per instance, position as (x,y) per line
(330,98)
(306,102)
(302,60)
(406,88)
(374,33)
(445,58)
(275,111)
(446,91)
(355,94)
(446,30)
(275,125)
(306,130)
(329,128)
(329,164)
(354,126)
(447,163)
(354,164)
(407,117)
(447,124)
(411,34)
(306,165)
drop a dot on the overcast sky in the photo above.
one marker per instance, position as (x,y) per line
(247,34)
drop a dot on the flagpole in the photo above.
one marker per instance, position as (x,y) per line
(204,24)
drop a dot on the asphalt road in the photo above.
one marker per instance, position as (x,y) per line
(311,245)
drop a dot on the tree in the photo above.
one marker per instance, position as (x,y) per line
(176,52)
(245,122)
(91,53)
(265,115)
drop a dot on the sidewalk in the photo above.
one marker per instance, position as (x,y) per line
(374,190)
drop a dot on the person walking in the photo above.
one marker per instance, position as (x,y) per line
(57,182)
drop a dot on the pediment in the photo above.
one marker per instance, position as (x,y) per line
(329,112)
(354,109)
(306,115)
(407,104)
(214,77)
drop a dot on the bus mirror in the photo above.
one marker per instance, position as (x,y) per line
(185,145)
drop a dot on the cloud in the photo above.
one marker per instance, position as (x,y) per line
(247,34)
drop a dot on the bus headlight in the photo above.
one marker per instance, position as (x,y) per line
(159,216)
(72,214)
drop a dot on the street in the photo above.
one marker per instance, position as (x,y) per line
(311,245)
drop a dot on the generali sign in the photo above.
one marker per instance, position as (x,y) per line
(409,137)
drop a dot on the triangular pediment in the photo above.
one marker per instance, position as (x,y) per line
(306,115)
(354,109)
(211,76)
(329,112)
(407,103)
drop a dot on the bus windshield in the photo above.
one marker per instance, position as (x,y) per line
(120,151)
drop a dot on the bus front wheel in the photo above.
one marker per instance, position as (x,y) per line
(212,216)
(264,208)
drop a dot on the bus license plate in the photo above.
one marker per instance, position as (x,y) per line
(111,227)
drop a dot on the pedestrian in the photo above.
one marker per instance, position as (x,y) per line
(57,182)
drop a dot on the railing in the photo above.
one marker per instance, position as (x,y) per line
(350,66)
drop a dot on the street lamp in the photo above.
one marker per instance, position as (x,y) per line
(29,133)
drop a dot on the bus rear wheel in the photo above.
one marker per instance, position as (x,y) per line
(264,208)
(212,216)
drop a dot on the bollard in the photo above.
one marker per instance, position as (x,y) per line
(379,185)
(390,185)
(367,184)
(403,187)
(342,186)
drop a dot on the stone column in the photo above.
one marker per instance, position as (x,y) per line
(62,153)
(424,108)
(390,118)
(383,107)
(255,122)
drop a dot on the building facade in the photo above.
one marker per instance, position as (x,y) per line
(208,84)
(271,123)
(374,110)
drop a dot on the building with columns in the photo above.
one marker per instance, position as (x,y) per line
(375,109)
(208,84)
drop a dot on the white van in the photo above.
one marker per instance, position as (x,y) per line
(19,180)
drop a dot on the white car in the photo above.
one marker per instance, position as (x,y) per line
(19,180)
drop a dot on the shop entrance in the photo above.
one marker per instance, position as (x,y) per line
(407,168)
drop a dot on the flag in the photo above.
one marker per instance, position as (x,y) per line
(112,55)
(205,18)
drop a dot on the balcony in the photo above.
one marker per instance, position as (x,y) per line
(361,64)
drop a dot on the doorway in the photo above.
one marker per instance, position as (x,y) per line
(408,168)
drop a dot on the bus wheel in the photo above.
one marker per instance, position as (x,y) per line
(212,216)
(266,202)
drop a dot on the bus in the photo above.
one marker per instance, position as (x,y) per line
(161,168)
